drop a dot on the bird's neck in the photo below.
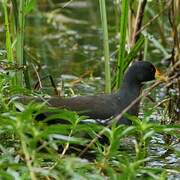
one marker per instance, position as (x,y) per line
(130,90)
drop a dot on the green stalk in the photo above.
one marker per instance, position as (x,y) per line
(106,46)
(133,53)
(28,157)
(145,48)
(122,42)
(20,39)
(9,48)
(19,12)
(8,36)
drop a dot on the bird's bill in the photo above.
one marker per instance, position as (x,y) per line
(159,76)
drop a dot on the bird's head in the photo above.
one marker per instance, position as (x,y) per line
(139,72)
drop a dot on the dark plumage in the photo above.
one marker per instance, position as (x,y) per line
(104,106)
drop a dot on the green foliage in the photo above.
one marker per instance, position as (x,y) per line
(133,53)
(34,148)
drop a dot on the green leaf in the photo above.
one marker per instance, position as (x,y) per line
(134,51)
(29,6)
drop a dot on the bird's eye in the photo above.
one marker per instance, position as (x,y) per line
(152,69)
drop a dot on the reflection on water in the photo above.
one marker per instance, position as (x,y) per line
(68,40)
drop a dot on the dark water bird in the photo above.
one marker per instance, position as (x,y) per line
(105,106)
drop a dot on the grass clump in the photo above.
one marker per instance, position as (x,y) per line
(32,149)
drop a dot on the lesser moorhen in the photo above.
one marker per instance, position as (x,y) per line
(105,106)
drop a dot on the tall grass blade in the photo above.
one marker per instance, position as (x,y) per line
(8,36)
(20,38)
(156,43)
(106,46)
(9,48)
(145,47)
(122,42)
(133,52)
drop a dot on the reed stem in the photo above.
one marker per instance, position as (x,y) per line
(122,42)
(9,49)
(20,39)
(106,46)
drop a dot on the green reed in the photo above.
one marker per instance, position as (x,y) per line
(8,34)
(102,4)
(122,41)
(15,29)
(37,150)
(20,37)
(9,48)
